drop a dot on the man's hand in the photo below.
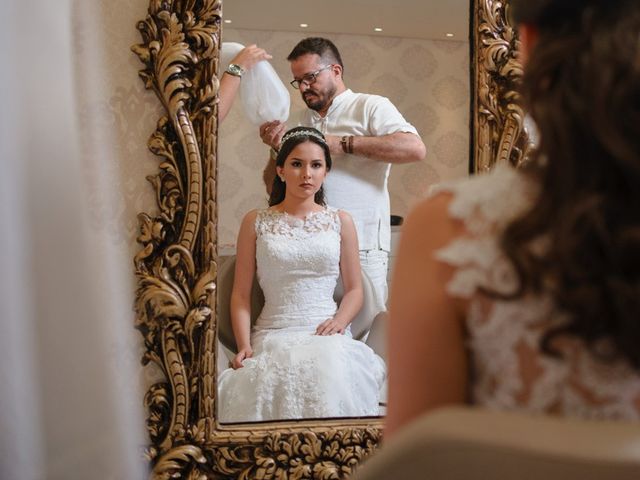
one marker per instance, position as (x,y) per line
(271,133)
(330,327)
(242,355)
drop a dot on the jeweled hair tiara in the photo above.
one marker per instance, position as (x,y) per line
(307,133)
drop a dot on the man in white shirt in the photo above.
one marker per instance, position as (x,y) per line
(365,134)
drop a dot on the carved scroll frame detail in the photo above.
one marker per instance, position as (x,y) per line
(498,117)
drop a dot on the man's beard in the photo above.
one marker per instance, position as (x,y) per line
(320,99)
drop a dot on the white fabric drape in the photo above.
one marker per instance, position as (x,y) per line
(67,407)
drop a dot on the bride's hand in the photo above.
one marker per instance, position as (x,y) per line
(242,355)
(330,327)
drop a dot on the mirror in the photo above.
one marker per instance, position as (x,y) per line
(178,267)
(412,62)
(419,61)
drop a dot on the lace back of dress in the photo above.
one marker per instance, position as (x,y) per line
(510,371)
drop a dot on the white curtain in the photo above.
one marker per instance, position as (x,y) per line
(69,408)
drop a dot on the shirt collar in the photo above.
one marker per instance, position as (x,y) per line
(335,103)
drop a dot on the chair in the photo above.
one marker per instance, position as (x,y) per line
(377,337)
(226,272)
(360,325)
(469,443)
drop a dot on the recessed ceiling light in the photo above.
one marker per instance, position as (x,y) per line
(304,25)
(449,34)
(227,21)
(377,29)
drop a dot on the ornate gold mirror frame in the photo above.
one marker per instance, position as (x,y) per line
(177,266)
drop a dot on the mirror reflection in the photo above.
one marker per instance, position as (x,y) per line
(373,107)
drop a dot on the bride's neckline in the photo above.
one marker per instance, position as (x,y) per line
(304,218)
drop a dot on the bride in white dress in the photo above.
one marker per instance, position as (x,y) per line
(299,360)
(519,290)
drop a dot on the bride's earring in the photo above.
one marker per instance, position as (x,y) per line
(282,179)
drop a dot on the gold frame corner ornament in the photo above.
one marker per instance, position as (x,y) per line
(498,117)
(177,266)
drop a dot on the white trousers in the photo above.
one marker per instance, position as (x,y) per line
(375,264)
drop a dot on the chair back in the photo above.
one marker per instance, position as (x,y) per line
(361,324)
(226,273)
(459,443)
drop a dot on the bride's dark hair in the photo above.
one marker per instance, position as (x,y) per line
(582,87)
(291,140)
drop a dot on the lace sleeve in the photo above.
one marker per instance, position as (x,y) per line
(485,204)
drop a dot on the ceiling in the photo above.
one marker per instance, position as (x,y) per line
(425,19)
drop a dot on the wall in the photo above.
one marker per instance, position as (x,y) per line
(427,80)
(116,118)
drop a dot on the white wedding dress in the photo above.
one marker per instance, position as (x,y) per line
(293,372)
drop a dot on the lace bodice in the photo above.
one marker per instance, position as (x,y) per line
(297,267)
(509,371)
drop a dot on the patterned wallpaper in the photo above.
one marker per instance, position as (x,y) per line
(114,106)
(427,80)
(116,118)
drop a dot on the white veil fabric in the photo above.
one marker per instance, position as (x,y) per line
(67,410)
(263,95)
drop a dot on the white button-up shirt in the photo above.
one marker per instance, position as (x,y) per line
(358,184)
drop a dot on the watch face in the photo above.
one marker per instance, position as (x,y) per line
(235,70)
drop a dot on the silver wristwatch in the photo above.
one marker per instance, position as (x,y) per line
(235,70)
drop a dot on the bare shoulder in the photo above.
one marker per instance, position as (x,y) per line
(250,216)
(428,228)
(430,225)
(345,217)
(248,222)
(435,206)
(347,226)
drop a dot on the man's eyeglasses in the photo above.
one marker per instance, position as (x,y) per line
(309,79)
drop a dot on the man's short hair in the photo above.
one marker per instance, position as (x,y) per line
(320,46)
